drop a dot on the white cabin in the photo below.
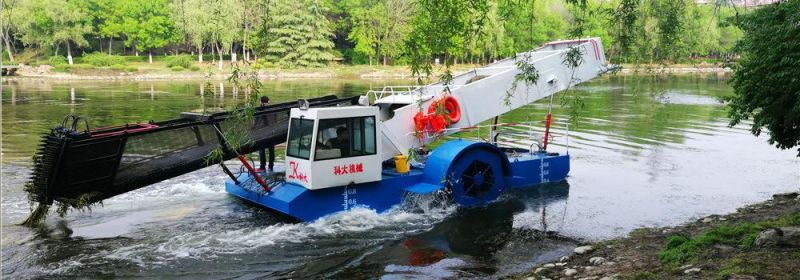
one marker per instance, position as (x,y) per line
(336,146)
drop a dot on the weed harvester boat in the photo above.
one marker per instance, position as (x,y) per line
(344,157)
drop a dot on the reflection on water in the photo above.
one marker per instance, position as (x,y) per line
(497,239)
(645,152)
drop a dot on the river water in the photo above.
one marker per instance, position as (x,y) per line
(645,152)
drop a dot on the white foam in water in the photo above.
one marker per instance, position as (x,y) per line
(157,239)
(206,244)
(205,182)
(440,269)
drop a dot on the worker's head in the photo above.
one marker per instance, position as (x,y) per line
(341,133)
(264,100)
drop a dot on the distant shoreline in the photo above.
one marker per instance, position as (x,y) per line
(674,69)
(336,72)
(209,72)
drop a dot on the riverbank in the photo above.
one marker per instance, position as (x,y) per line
(206,71)
(674,69)
(158,71)
(733,246)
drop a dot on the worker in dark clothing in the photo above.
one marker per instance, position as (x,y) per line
(341,142)
(261,153)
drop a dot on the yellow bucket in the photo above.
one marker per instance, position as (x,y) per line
(401,163)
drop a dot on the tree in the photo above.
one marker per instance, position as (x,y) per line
(225,19)
(251,18)
(109,15)
(442,28)
(72,23)
(530,23)
(766,82)
(147,25)
(379,27)
(299,34)
(7,18)
(55,22)
(398,14)
(198,24)
(286,32)
(367,20)
(317,49)
(492,39)
(671,23)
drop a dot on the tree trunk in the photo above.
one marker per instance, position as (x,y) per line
(384,60)
(150,56)
(220,63)
(370,60)
(233,56)
(244,44)
(110,40)
(8,45)
(200,54)
(69,54)
(58,46)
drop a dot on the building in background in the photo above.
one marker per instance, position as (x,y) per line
(740,3)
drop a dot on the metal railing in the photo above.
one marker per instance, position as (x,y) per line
(514,134)
(388,91)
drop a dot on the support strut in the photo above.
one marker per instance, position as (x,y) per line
(547,130)
(250,169)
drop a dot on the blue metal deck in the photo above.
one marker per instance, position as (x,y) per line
(515,171)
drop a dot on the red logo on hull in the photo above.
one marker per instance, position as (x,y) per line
(296,175)
(348,169)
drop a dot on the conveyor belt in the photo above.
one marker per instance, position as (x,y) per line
(92,165)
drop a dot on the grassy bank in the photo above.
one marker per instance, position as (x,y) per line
(99,66)
(675,69)
(714,247)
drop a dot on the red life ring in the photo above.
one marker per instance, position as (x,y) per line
(450,105)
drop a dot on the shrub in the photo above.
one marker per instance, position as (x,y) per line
(184,61)
(64,68)
(681,249)
(102,59)
(82,66)
(131,69)
(140,58)
(56,60)
(32,55)
(194,68)
(177,68)
(263,64)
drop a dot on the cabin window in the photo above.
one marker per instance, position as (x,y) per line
(345,137)
(299,144)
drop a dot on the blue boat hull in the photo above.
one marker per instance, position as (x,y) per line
(446,168)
